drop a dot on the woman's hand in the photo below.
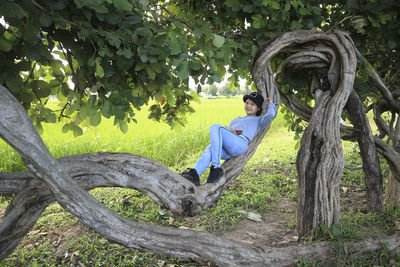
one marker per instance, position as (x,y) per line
(269,100)
(239,132)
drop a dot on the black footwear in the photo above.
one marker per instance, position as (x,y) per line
(215,174)
(191,175)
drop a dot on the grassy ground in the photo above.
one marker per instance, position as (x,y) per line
(267,188)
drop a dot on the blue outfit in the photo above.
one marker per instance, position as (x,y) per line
(225,144)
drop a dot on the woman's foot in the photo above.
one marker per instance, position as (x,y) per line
(215,174)
(191,175)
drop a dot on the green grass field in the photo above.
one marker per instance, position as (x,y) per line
(269,177)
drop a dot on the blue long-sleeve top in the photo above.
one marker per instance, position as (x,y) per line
(251,125)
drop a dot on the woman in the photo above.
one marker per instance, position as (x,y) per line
(231,141)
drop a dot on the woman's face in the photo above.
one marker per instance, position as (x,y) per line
(250,107)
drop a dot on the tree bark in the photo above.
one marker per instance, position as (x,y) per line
(371,166)
(320,160)
(392,197)
(392,192)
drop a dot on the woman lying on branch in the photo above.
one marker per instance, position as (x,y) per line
(231,141)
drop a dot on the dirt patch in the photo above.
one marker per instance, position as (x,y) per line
(58,237)
(275,230)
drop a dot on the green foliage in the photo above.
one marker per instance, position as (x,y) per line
(117,55)
(373,26)
(120,54)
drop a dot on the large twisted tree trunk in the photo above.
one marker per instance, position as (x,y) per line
(320,163)
(320,160)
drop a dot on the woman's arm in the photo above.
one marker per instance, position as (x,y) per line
(270,115)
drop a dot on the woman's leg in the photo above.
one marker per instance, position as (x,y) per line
(204,161)
(225,144)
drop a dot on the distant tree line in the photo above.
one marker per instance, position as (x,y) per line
(226,90)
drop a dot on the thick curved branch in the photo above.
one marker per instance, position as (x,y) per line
(381,106)
(303,60)
(17,129)
(28,205)
(391,156)
(371,165)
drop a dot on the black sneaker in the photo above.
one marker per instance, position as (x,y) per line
(215,174)
(191,175)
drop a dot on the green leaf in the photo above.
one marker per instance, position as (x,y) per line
(287,6)
(122,5)
(123,125)
(385,18)
(91,62)
(140,66)
(144,3)
(5,45)
(61,97)
(57,67)
(218,41)
(132,20)
(99,70)
(183,71)
(137,102)
(150,73)
(113,40)
(39,128)
(77,130)
(359,24)
(26,97)
(155,67)
(11,10)
(142,54)
(95,119)
(51,117)
(43,89)
(336,230)
(106,109)
(392,44)
(128,53)
(65,90)
(65,128)
(257,21)
(248,8)
(234,4)
(195,65)
(82,114)
(45,20)
(217,78)
(174,46)
(171,100)
(100,9)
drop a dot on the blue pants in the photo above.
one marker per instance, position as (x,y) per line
(224,145)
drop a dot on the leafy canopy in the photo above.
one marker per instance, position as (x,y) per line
(120,54)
